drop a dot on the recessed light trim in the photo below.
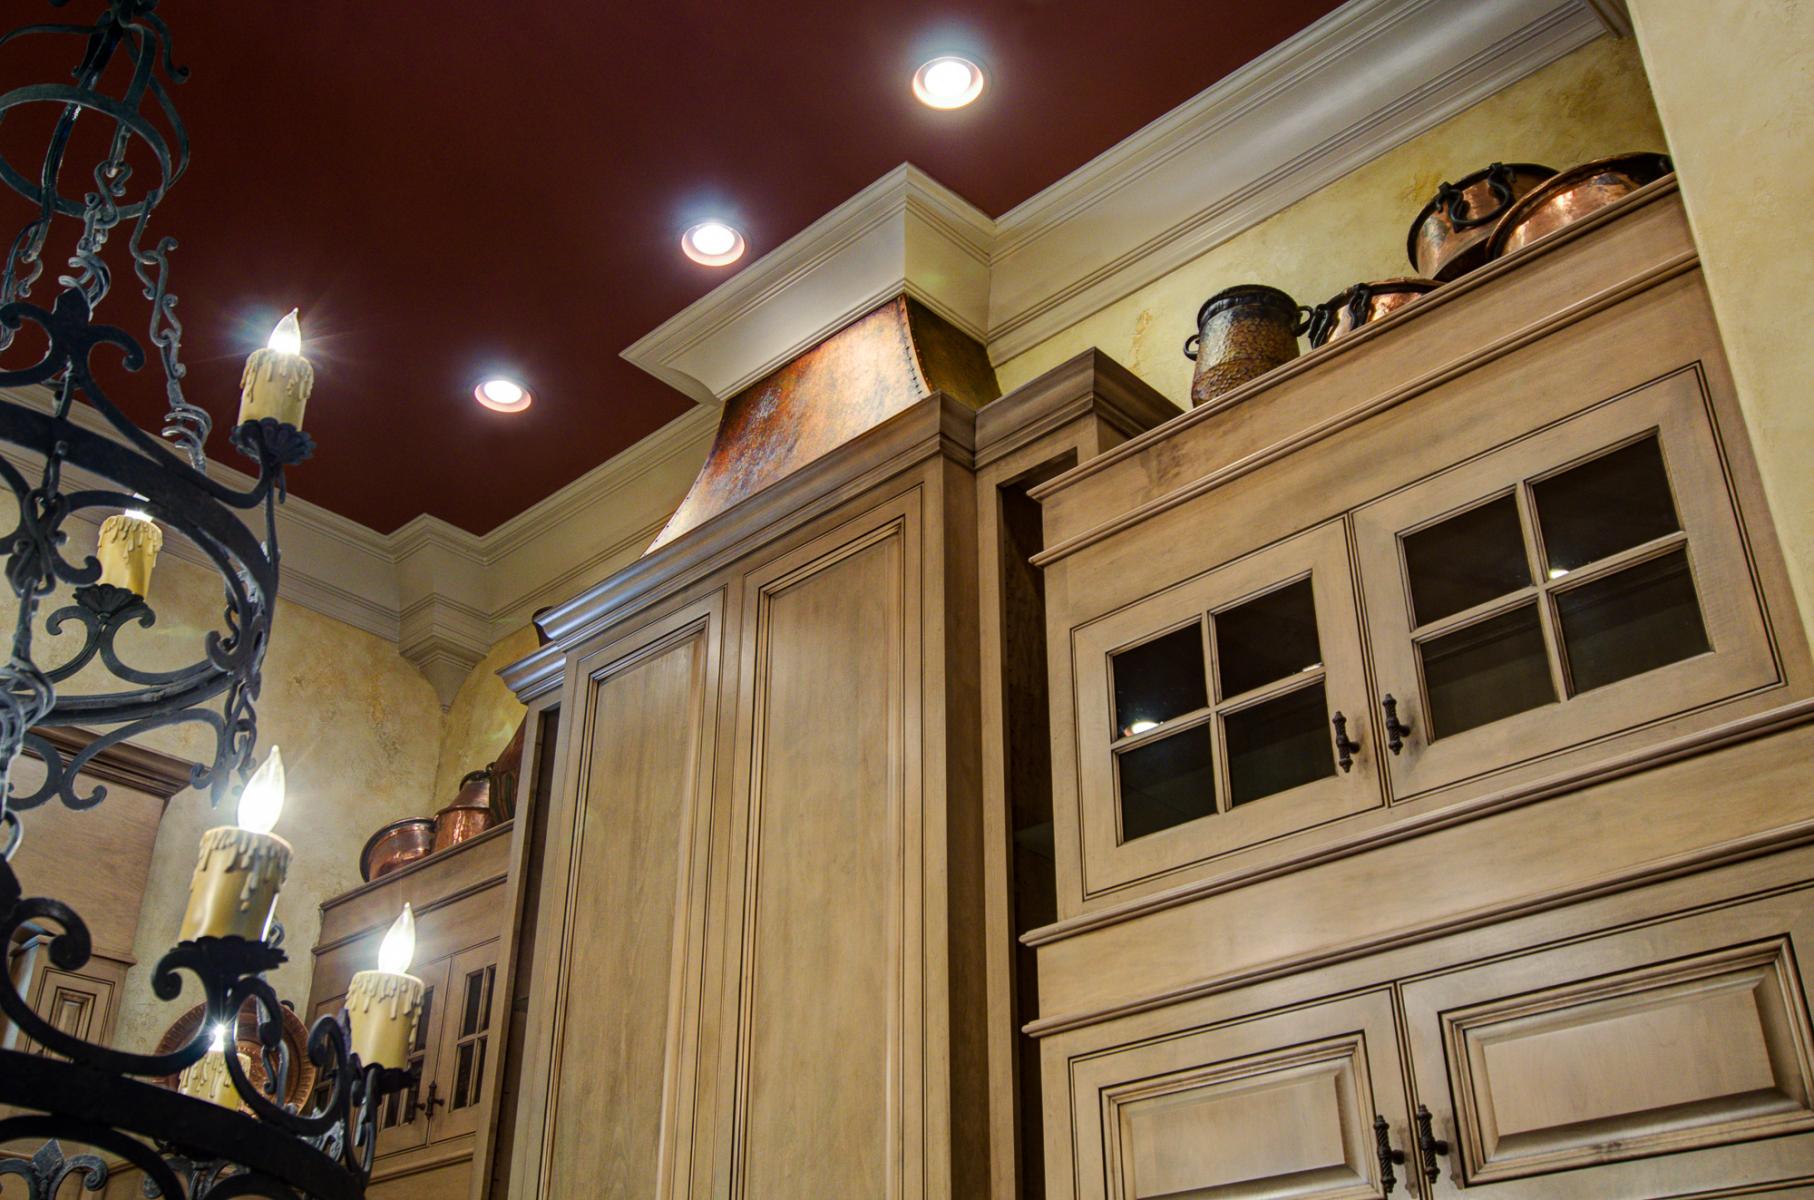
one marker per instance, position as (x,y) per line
(948,81)
(502,395)
(713,243)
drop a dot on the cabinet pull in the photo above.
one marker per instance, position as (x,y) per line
(1429,1146)
(1345,747)
(429,1105)
(1395,728)
(1388,1157)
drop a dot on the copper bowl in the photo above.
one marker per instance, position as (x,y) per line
(396,845)
(469,815)
(1355,306)
(1567,197)
(295,1037)
(1448,238)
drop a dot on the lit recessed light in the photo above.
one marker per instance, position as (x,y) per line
(712,243)
(948,81)
(502,395)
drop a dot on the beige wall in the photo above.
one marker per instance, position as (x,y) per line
(1592,103)
(483,716)
(1734,84)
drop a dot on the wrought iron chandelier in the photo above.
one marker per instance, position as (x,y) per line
(74,1090)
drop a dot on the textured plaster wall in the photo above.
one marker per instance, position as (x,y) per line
(1592,103)
(483,716)
(360,730)
(1734,84)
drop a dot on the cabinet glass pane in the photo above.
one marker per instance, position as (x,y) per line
(1608,504)
(1166,783)
(1487,671)
(1266,639)
(1159,680)
(1278,744)
(1466,560)
(1631,621)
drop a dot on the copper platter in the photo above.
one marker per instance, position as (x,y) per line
(1448,237)
(295,1036)
(1567,197)
(396,845)
(1362,304)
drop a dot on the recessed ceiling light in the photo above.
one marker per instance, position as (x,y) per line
(948,81)
(502,395)
(712,243)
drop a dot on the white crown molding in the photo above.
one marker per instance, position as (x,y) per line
(904,232)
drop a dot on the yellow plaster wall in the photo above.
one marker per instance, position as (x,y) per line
(1592,103)
(1734,84)
(360,730)
(483,716)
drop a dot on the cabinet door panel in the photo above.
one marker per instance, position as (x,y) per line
(1586,580)
(1204,713)
(1655,1058)
(403,1118)
(1282,1106)
(465,1041)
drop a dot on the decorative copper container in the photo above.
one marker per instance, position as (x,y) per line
(295,1036)
(505,773)
(469,815)
(396,845)
(1448,238)
(1242,333)
(1353,307)
(1567,197)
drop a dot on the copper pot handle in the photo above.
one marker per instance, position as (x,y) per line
(1305,315)
(1498,179)
(1190,346)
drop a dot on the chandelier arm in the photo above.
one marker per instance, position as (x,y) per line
(339,1063)
(101,1138)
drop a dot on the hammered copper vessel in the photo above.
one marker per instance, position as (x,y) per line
(1448,238)
(1242,333)
(469,815)
(396,845)
(1567,197)
(1362,303)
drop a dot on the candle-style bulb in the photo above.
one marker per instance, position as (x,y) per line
(262,798)
(220,1038)
(287,337)
(399,945)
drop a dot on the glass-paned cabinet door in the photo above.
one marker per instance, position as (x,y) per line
(1207,714)
(460,1071)
(1585,580)
(404,1116)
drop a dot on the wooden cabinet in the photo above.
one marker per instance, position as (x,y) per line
(1541,903)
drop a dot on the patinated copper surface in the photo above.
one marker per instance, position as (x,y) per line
(1567,197)
(1448,237)
(468,816)
(1242,333)
(396,845)
(873,368)
(1362,303)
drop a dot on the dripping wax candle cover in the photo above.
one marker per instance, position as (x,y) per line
(278,379)
(382,1006)
(128,549)
(208,1079)
(234,890)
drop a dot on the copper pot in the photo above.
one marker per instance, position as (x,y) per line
(469,815)
(1448,238)
(396,845)
(1353,307)
(1565,198)
(1242,333)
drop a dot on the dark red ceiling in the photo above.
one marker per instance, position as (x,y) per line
(450,187)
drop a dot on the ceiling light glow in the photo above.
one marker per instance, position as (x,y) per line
(712,243)
(948,82)
(502,395)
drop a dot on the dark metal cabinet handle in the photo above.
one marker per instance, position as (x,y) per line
(1429,1146)
(1395,728)
(1345,747)
(1388,1157)
(429,1105)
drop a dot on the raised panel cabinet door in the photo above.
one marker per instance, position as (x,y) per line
(626,1005)
(1279,1106)
(827,1071)
(403,1117)
(1667,1060)
(466,1041)
(1583,581)
(1208,713)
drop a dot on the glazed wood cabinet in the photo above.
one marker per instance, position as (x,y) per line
(1473,616)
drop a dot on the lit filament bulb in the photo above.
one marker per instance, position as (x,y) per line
(262,800)
(399,945)
(287,337)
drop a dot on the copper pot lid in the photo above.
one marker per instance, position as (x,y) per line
(1642,169)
